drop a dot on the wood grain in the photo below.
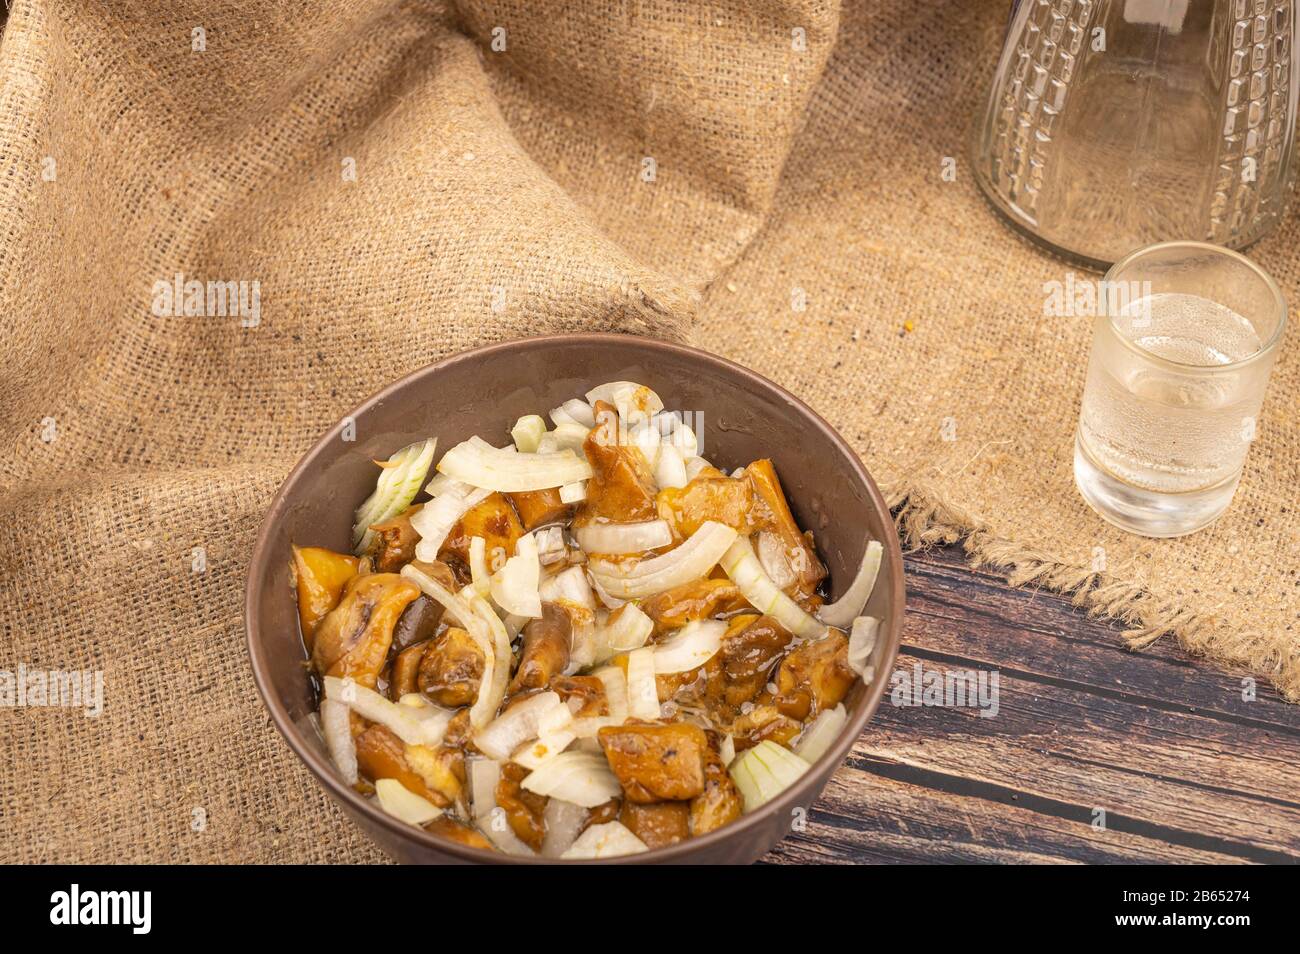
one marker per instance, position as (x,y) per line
(1184,765)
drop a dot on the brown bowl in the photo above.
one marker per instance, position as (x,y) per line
(483,391)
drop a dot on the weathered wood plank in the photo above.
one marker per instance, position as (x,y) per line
(1184,767)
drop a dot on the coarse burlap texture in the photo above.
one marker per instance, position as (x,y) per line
(406,179)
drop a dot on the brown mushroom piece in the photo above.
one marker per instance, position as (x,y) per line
(656,762)
(720,802)
(621,487)
(774,513)
(699,599)
(436,774)
(546,649)
(447,827)
(658,824)
(750,648)
(814,676)
(394,543)
(524,809)
(726,500)
(402,675)
(585,695)
(539,508)
(451,669)
(495,521)
(352,641)
(319,576)
(763,721)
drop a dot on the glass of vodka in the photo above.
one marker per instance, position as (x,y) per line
(1182,348)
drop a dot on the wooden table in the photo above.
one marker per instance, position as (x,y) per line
(1184,768)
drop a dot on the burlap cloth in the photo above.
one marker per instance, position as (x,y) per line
(401,190)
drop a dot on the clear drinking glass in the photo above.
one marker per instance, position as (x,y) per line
(1175,382)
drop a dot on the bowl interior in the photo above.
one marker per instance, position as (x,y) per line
(737,415)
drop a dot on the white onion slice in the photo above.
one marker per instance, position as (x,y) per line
(691,647)
(642,690)
(615,682)
(424,726)
(583,778)
(693,467)
(336,726)
(571,585)
(550,544)
(625,629)
(478,568)
(484,774)
(776,562)
(862,640)
(609,840)
(514,586)
(764,772)
(632,401)
(527,433)
(691,561)
(521,722)
(842,612)
(676,433)
(575,492)
(670,469)
(396,487)
(479,464)
(571,436)
(402,803)
(564,821)
(439,515)
(746,572)
(727,749)
(818,737)
(577,410)
(624,537)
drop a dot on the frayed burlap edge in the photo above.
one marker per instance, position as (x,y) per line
(924,519)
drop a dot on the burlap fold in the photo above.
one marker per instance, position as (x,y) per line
(387,182)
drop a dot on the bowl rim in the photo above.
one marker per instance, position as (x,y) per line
(801,793)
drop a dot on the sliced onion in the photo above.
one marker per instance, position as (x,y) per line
(775,560)
(484,774)
(396,487)
(425,726)
(527,433)
(400,802)
(818,737)
(582,635)
(632,401)
(615,682)
(563,821)
(478,568)
(841,613)
(485,627)
(646,438)
(571,585)
(573,493)
(571,436)
(862,640)
(609,602)
(583,778)
(694,644)
(609,840)
(727,749)
(676,433)
(764,772)
(550,544)
(576,410)
(438,484)
(670,469)
(438,516)
(746,572)
(642,690)
(693,467)
(625,629)
(624,537)
(479,464)
(517,725)
(514,586)
(633,579)
(336,726)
